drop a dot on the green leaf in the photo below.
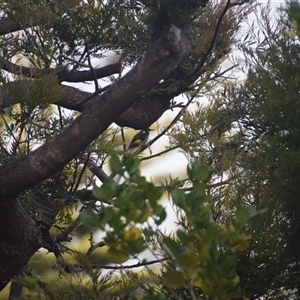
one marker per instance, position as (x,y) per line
(132,164)
(89,218)
(153,193)
(106,191)
(138,179)
(116,165)
(179,198)
(160,212)
(199,171)
(99,194)
(244,214)
(136,246)
(174,279)
(106,215)
(184,239)
(29,282)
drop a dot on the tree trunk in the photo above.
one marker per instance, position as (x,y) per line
(19,239)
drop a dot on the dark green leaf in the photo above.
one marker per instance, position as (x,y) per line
(115,164)
(89,218)
(153,193)
(106,191)
(179,198)
(132,164)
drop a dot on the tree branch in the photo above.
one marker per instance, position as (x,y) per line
(16,245)
(79,268)
(211,45)
(137,265)
(62,74)
(159,61)
(7,25)
(95,169)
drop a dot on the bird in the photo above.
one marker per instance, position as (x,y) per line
(138,142)
(140,139)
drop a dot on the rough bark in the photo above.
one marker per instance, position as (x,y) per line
(141,114)
(19,239)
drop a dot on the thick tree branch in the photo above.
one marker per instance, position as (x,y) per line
(159,61)
(16,286)
(90,75)
(7,25)
(62,74)
(16,246)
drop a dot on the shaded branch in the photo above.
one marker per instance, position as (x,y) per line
(7,25)
(12,238)
(16,286)
(62,74)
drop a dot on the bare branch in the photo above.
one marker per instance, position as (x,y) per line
(79,268)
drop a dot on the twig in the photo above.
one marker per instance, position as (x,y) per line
(177,117)
(94,168)
(64,235)
(91,68)
(160,153)
(80,175)
(137,265)
(213,185)
(220,74)
(212,43)
(94,247)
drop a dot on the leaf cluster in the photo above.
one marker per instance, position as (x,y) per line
(200,257)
